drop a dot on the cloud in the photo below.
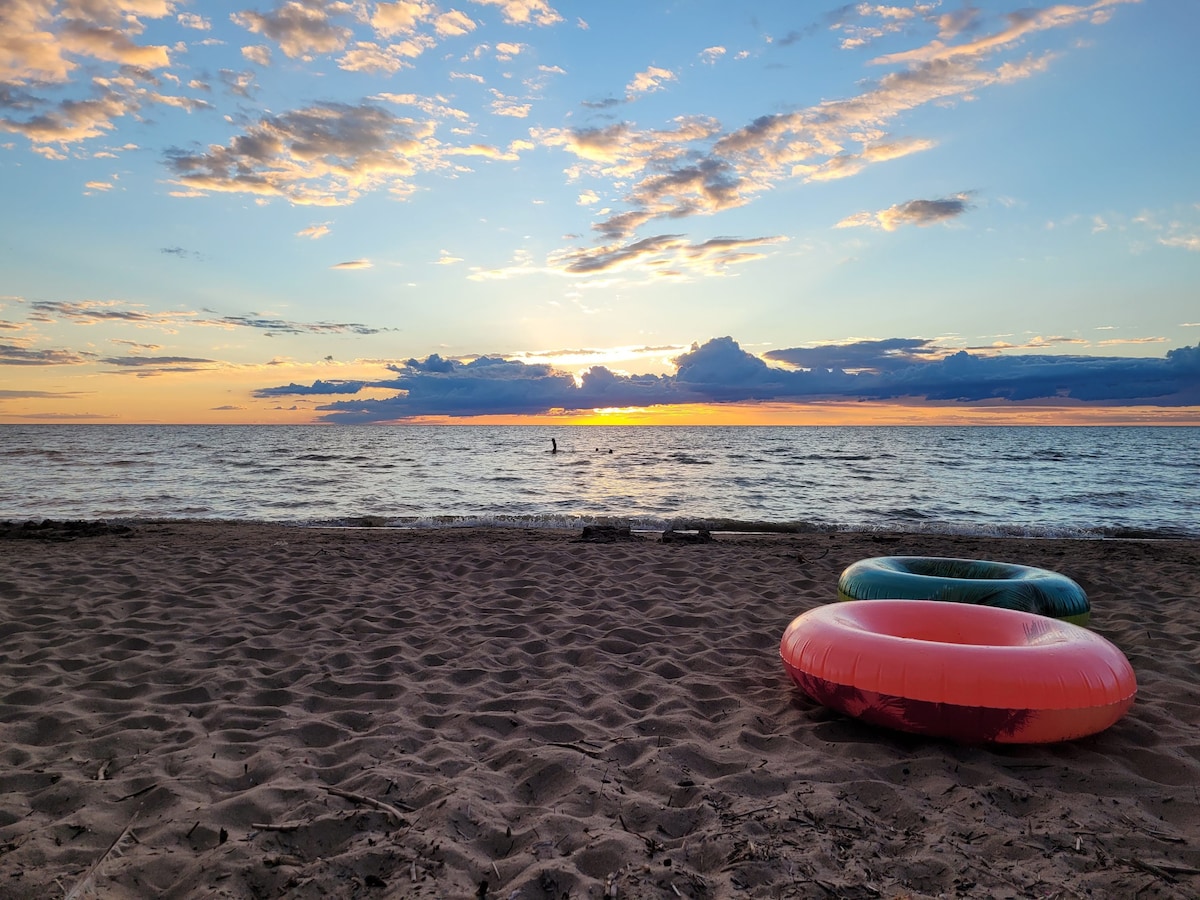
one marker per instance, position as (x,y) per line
(136,345)
(1186,241)
(353,264)
(18,355)
(1176,228)
(38,395)
(314,232)
(922,369)
(525,12)
(325,155)
(703,170)
(365,56)
(179,252)
(335,153)
(260,54)
(487,152)
(669,256)
(299,28)
(37,39)
(317,388)
(845,165)
(241,84)
(155,361)
(110,45)
(888,150)
(1132,340)
(29,50)
(504,105)
(434,107)
(194,21)
(92,312)
(863,23)
(913,212)
(71,121)
(677,178)
(506,50)
(283,326)
(872,356)
(150,366)
(648,81)
(606,103)
(955,22)
(1020,25)
(402,17)
(454,24)
(45,45)
(721,371)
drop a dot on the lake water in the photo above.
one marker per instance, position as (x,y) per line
(1072,481)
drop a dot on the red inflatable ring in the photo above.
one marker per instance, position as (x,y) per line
(970,673)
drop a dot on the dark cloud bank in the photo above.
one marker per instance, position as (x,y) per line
(720,371)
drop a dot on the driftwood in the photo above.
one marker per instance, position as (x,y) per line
(607,534)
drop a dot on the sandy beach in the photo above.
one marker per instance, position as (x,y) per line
(193,710)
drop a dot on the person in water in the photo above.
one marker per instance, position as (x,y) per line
(553,445)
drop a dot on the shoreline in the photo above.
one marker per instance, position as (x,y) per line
(10,527)
(315,711)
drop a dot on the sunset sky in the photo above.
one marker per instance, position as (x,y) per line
(291,211)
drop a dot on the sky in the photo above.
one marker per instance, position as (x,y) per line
(528,211)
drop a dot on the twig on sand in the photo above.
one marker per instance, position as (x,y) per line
(568,746)
(652,846)
(393,813)
(752,812)
(283,859)
(1164,870)
(1152,832)
(138,793)
(282,826)
(87,884)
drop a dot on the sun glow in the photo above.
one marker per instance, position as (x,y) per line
(835,413)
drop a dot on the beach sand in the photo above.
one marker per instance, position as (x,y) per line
(287,712)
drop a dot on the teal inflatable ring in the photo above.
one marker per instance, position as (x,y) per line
(1000,584)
